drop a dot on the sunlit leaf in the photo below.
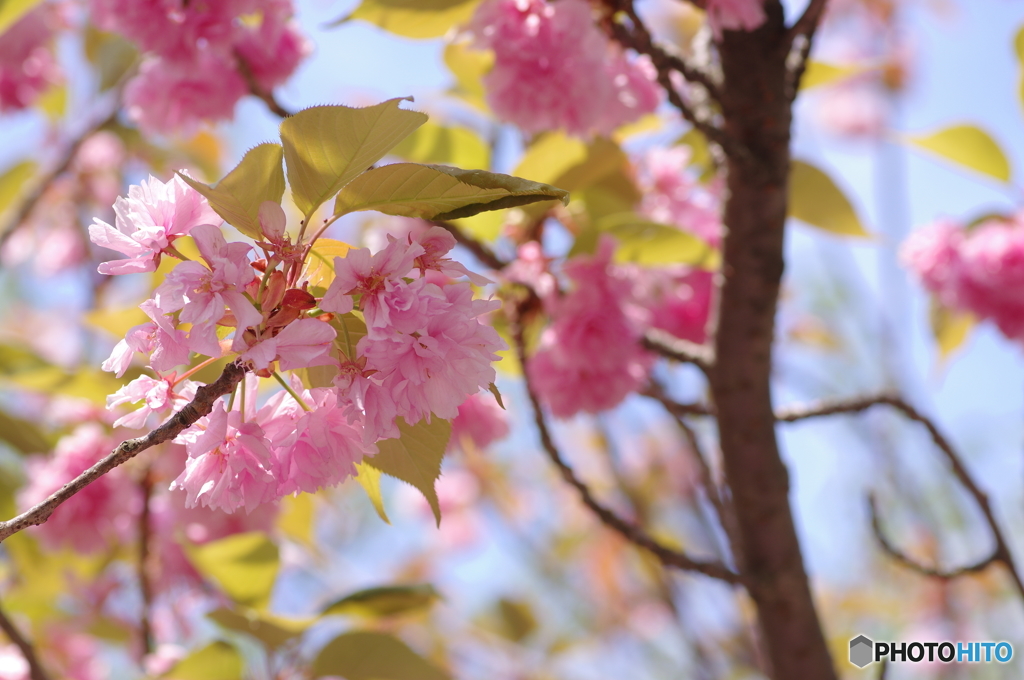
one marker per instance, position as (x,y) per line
(204,150)
(320,264)
(415,457)
(111,54)
(650,243)
(269,629)
(369,479)
(216,661)
(23,435)
(325,147)
(950,328)
(819,73)
(117,322)
(516,619)
(433,143)
(243,565)
(54,102)
(13,10)
(485,226)
(12,183)
(700,152)
(237,197)
(385,601)
(439,191)
(413,18)
(296,517)
(469,66)
(373,656)
(968,146)
(815,200)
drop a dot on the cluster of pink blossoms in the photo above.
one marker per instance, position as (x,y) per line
(554,69)
(978,269)
(424,349)
(201,55)
(27,64)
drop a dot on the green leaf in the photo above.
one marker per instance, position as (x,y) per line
(110,53)
(13,10)
(652,243)
(369,478)
(237,197)
(54,102)
(385,601)
(950,327)
(12,183)
(816,200)
(22,435)
(968,146)
(326,147)
(216,661)
(439,192)
(320,264)
(271,630)
(515,619)
(296,518)
(819,73)
(454,146)
(415,457)
(243,565)
(700,152)
(373,656)
(469,66)
(413,18)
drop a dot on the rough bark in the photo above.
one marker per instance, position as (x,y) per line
(756,111)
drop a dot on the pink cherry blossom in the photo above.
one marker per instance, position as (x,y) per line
(302,343)
(323,449)
(675,299)
(175,96)
(273,49)
(12,664)
(204,295)
(436,242)
(165,345)
(734,15)
(97,515)
(480,420)
(27,64)
(154,214)
(554,69)
(672,195)
(229,465)
(160,396)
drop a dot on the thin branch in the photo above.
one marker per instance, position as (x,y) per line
(36,670)
(202,405)
(145,584)
(480,250)
(671,347)
(801,36)
(1002,549)
(255,90)
(677,409)
(913,564)
(808,22)
(626,529)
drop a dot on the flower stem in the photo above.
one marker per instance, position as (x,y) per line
(288,388)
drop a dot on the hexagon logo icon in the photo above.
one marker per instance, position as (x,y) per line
(861,649)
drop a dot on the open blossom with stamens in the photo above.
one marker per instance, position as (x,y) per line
(229,464)
(436,242)
(165,345)
(154,214)
(301,344)
(161,395)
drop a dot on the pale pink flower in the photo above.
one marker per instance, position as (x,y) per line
(364,399)
(480,420)
(554,69)
(531,268)
(229,465)
(160,396)
(12,664)
(175,96)
(323,449)
(273,49)
(96,516)
(27,64)
(436,242)
(204,295)
(300,344)
(165,345)
(672,195)
(675,299)
(154,214)
(734,15)
(933,255)
(856,109)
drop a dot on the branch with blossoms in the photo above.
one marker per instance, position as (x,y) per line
(1000,554)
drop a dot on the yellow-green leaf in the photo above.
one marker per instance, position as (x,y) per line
(326,147)
(516,619)
(950,328)
(243,565)
(439,192)
(819,73)
(237,197)
(652,243)
(369,478)
(110,53)
(469,66)
(320,264)
(433,143)
(415,457)
(117,322)
(385,601)
(968,146)
(216,661)
(271,630)
(413,18)
(296,517)
(13,10)
(485,226)
(12,183)
(54,102)
(22,435)
(373,656)
(816,200)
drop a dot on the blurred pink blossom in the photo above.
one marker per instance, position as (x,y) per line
(480,420)
(27,64)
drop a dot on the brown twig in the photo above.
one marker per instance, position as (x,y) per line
(145,585)
(626,529)
(671,347)
(36,670)
(202,405)
(480,250)
(803,32)
(255,90)
(914,565)
(1002,550)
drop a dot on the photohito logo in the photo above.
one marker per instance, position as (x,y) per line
(864,651)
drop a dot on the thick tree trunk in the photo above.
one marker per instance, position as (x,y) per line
(758,113)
